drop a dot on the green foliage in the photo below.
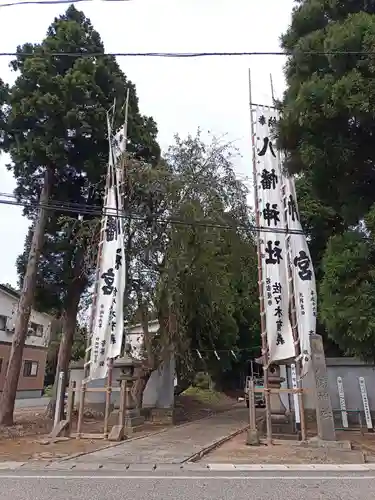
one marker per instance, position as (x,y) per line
(209,272)
(348,293)
(56,118)
(202,380)
(3,99)
(328,107)
(191,255)
(327,132)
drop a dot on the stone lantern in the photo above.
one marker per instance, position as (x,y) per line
(129,414)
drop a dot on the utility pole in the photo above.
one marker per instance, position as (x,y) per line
(25,303)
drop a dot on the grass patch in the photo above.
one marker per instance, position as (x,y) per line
(48,391)
(206,396)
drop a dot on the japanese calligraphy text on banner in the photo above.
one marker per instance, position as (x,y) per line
(303,276)
(108,322)
(273,239)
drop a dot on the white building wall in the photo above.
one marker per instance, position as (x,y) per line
(8,308)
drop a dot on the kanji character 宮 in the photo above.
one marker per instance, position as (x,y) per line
(108,278)
(303,262)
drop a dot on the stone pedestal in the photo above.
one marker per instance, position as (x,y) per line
(324,414)
(252,437)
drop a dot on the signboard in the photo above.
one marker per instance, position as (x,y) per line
(366,406)
(344,413)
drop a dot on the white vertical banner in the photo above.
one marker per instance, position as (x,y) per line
(303,276)
(272,238)
(108,322)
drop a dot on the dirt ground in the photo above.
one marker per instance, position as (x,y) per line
(237,451)
(28,438)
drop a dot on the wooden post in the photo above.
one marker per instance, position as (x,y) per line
(81,409)
(263,325)
(122,409)
(60,398)
(70,404)
(108,397)
(252,413)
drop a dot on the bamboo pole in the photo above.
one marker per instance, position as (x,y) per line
(260,276)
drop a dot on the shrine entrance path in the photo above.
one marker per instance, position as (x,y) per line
(175,445)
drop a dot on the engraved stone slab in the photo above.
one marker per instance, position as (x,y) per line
(324,414)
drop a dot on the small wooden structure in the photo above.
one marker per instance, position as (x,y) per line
(273,395)
(65,427)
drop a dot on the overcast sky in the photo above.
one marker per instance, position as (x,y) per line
(181,94)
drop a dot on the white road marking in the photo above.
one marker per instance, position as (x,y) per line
(194,478)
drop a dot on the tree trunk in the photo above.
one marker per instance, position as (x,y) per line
(69,327)
(24,308)
(50,410)
(53,351)
(139,386)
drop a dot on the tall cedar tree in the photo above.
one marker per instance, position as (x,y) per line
(56,119)
(327,130)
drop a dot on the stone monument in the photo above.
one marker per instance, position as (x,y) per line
(324,414)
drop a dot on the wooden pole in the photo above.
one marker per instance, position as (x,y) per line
(263,325)
(108,398)
(70,404)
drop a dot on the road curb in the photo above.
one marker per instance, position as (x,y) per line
(292,467)
(87,468)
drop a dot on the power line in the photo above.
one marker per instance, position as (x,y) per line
(185,55)
(53,2)
(81,209)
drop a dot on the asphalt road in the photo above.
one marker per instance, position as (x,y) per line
(188,486)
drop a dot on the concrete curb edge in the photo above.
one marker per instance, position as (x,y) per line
(58,467)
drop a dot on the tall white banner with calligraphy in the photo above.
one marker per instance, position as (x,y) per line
(303,276)
(272,238)
(108,322)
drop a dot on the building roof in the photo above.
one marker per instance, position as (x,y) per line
(136,325)
(16,295)
(9,291)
